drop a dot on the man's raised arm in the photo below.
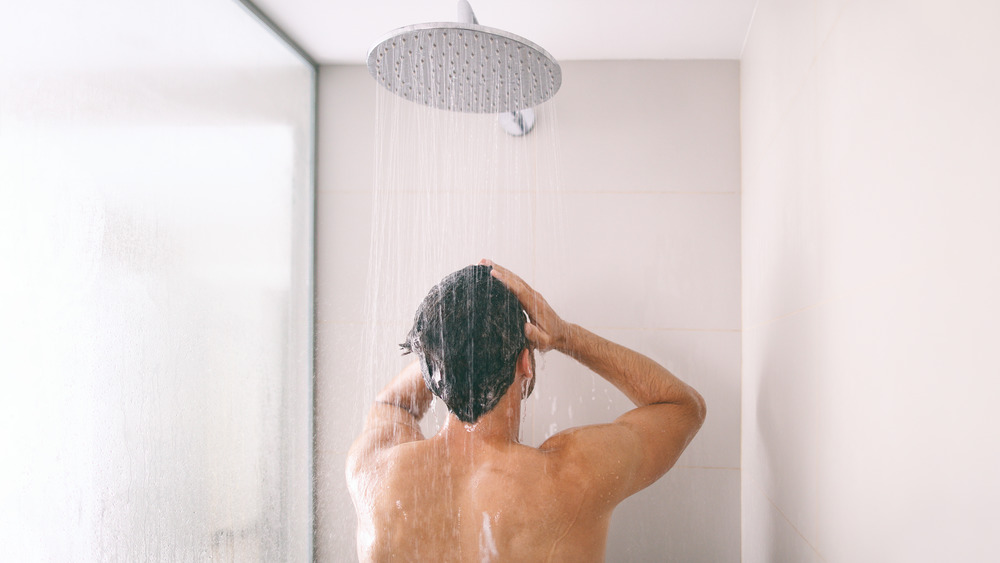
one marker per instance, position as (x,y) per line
(395,414)
(641,445)
(407,391)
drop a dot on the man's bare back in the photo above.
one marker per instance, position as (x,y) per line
(431,501)
(473,493)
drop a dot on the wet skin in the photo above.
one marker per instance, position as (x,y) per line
(473,493)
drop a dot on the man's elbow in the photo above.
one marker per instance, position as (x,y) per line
(353,463)
(698,409)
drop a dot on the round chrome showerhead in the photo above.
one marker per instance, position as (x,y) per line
(464,67)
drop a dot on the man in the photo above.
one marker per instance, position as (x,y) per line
(472,492)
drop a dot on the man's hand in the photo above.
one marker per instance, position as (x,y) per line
(546,330)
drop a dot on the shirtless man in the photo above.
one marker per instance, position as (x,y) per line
(472,493)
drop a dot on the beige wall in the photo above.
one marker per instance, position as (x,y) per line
(648,219)
(871,137)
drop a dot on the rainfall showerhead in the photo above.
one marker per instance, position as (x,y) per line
(464,66)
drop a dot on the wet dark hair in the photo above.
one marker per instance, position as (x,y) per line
(468,333)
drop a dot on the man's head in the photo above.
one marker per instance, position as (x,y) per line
(468,334)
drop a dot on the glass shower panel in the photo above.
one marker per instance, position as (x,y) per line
(155,284)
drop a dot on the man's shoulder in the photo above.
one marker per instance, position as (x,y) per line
(589,455)
(562,456)
(568,445)
(374,461)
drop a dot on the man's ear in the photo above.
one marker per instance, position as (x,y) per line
(524,363)
(526,369)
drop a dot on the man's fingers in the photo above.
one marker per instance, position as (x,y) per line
(540,315)
(530,299)
(507,278)
(511,280)
(537,336)
(499,272)
(531,333)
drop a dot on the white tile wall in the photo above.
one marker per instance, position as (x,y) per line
(335,520)
(339,346)
(677,255)
(789,272)
(343,264)
(780,399)
(663,125)
(666,522)
(768,535)
(346,130)
(783,39)
(827,15)
(640,243)
(869,273)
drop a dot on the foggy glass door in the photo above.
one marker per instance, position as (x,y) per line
(155,284)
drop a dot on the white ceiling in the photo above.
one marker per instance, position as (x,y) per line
(336,31)
(73,36)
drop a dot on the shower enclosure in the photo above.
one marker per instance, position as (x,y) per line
(156,237)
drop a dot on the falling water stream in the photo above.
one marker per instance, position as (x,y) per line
(450,188)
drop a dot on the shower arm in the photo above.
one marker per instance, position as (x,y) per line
(515,123)
(465,13)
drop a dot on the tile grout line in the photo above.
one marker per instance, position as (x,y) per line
(800,85)
(337,452)
(818,49)
(753,16)
(739,380)
(791,313)
(561,192)
(589,327)
(787,520)
(659,329)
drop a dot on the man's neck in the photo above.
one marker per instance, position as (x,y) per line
(500,425)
